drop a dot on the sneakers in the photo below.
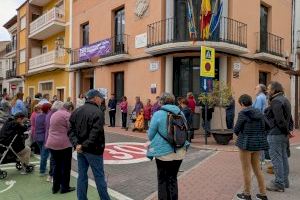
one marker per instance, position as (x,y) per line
(243,196)
(23,171)
(261,197)
(50,179)
(274,188)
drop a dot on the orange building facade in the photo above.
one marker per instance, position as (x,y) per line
(150,50)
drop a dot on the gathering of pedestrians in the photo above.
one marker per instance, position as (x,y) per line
(262,129)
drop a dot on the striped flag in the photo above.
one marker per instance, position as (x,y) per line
(205,14)
(191,20)
(216,20)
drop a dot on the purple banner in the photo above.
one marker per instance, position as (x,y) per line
(100,48)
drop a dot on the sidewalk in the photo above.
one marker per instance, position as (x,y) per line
(220,175)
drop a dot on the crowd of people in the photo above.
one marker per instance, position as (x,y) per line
(263,128)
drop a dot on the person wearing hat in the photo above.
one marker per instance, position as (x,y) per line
(12,127)
(86,134)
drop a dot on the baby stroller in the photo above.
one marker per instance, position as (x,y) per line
(8,155)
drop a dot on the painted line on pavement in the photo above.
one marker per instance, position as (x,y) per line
(13,164)
(8,168)
(10,184)
(111,192)
(298,148)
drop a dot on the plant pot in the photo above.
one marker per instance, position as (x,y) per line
(222,137)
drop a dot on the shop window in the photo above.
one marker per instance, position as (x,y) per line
(119,85)
(264,77)
(186,75)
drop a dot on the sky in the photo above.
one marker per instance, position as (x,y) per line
(7,11)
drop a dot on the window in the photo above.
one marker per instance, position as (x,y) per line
(119,30)
(22,56)
(14,42)
(44,49)
(46,86)
(23,22)
(85,29)
(264,78)
(119,85)
(263,28)
(186,75)
(31,92)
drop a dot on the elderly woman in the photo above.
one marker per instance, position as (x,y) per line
(61,149)
(167,161)
(55,107)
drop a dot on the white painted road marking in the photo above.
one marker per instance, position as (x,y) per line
(10,184)
(298,148)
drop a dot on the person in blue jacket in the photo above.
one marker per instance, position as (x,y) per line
(112,106)
(260,102)
(167,161)
(18,105)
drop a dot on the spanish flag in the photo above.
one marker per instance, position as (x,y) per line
(205,19)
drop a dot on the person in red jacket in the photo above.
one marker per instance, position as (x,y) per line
(191,102)
(147,113)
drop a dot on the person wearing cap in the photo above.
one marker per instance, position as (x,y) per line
(12,127)
(87,137)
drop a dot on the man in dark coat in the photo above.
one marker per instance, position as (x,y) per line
(11,128)
(112,105)
(279,121)
(87,136)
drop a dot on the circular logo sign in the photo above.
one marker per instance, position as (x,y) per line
(207,66)
(123,153)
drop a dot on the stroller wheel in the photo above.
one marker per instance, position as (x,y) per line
(3,174)
(19,166)
(29,168)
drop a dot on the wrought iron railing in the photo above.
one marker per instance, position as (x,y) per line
(270,43)
(10,47)
(118,45)
(171,31)
(11,73)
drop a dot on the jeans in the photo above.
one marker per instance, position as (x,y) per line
(208,125)
(229,121)
(62,169)
(44,152)
(250,160)
(112,118)
(167,179)
(279,157)
(96,162)
(124,120)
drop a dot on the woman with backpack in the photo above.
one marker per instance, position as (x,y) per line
(168,158)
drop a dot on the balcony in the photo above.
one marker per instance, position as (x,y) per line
(298,42)
(119,50)
(10,48)
(269,47)
(169,36)
(39,2)
(77,62)
(50,23)
(47,62)
(12,73)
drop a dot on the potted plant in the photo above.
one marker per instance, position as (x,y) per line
(220,97)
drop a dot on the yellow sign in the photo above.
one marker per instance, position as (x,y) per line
(207,64)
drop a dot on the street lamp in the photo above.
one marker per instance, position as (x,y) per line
(59,42)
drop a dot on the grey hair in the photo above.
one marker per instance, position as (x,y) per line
(57,105)
(262,88)
(167,98)
(68,106)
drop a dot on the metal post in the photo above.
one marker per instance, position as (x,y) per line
(206,122)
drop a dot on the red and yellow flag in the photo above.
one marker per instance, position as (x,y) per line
(205,19)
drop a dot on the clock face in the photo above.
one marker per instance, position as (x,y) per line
(141,7)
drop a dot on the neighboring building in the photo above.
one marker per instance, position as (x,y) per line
(151,47)
(43,64)
(2,65)
(12,82)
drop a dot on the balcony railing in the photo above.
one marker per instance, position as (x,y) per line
(10,47)
(75,59)
(270,43)
(44,60)
(12,73)
(55,14)
(171,31)
(119,45)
